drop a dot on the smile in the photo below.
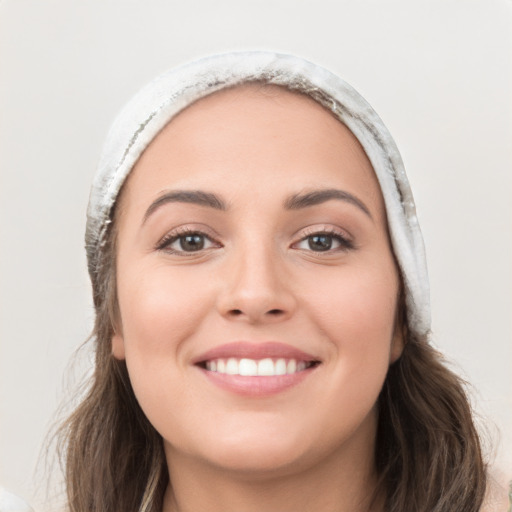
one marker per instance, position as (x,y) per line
(256,369)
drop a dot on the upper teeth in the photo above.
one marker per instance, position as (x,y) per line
(252,368)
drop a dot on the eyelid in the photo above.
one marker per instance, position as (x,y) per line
(323,228)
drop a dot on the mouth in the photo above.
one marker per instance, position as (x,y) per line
(256,369)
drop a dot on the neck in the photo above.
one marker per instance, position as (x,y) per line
(341,482)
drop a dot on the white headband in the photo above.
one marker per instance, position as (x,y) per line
(157,103)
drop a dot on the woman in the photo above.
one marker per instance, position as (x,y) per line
(262,310)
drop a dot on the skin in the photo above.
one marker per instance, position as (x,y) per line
(257,279)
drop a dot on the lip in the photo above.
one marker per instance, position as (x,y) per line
(241,349)
(255,386)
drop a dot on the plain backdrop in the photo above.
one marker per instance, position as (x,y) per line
(437,71)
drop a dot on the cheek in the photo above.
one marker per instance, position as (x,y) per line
(356,312)
(159,308)
(356,305)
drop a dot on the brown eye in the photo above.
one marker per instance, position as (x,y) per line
(324,242)
(190,243)
(320,242)
(187,242)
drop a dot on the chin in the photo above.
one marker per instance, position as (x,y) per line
(267,455)
(258,465)
(263,458)
(252,452)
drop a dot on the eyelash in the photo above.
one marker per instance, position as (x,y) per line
(167,241)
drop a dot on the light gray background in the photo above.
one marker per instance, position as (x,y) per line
(437,71)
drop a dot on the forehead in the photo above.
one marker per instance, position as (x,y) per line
(239,134)
(266,107)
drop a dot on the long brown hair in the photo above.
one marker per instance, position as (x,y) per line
(428,451)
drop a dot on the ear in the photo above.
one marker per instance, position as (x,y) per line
(397,342)
(118,345)
(400,331)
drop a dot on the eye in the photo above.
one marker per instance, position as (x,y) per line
(324,242)
(186,242)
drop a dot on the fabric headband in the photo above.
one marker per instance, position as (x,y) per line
(157,103)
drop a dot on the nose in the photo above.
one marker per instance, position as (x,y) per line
(256,289)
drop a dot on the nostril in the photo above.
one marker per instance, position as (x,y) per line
(271,312)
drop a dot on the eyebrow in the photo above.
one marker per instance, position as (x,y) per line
(294,202)
(197,197)
(299,201)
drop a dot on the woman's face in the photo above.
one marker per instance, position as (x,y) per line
(257,288)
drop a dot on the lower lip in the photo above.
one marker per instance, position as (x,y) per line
(257,386)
